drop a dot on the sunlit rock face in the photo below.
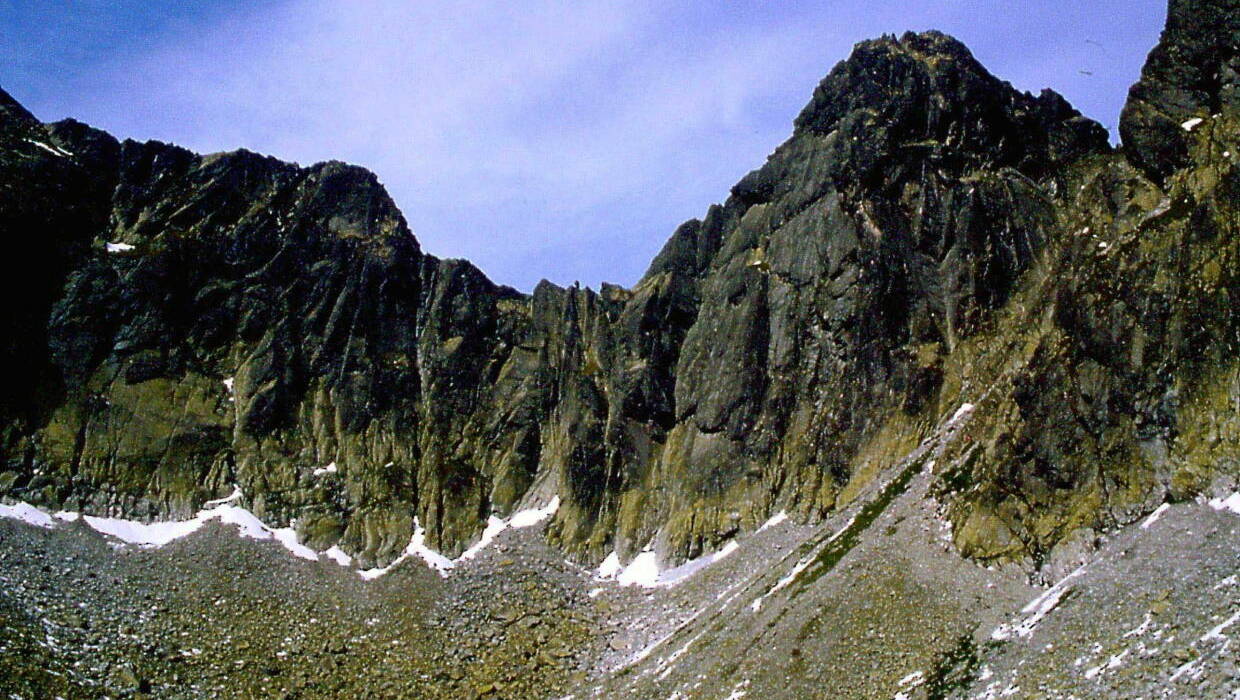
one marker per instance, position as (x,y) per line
(927,237)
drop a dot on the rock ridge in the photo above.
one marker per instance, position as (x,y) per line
(929,236)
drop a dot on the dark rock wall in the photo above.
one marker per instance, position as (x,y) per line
(1194,72)
(915,244)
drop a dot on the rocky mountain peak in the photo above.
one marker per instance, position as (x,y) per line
(12,111)
(1193,73)
(927,90)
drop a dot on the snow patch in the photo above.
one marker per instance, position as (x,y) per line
(533,516)
(1217,632)
(27,514)
(287,536)
(1192,123)
(964,410)
(143,534)
(610,567)
(493,528)
(1142,628)
(417,543)
(776,519)
(336,554)
(671,577)
(329,469)
(158,534)
(1037,609)
(1192,668)
(1114,662)
(1231,503)
(1158,513)
(59,152)
(644,569)
(118,247)
(236,493)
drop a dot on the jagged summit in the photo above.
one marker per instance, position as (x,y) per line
(926,89)
(1193,72)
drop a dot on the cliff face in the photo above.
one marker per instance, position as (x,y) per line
(928,236)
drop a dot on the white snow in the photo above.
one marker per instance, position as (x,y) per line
(912,680)
(143,534)
(329,469)
(158,534)
(610,566)
(118,247)
(964,410)
(287,536)
(1231,503)
(522,519)
(533,516)
(1192,668)
(1142,628)
(671,577)
(1158,513)
(417,543)
(915,677)
(801,565)
(1037,609)
(1217,632)
(27,514)
(595,592)
(776,519)
(336,554)
(493,528)
(644,569)
(227,499)
(1192,123)
(50,148)
(1114,662)
(782,583)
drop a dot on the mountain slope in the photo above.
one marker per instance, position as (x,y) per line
(927,237)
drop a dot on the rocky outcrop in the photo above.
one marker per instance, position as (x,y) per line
(1193,73)
(928,236)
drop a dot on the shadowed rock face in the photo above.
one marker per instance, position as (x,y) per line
(1194,72)
(928,236)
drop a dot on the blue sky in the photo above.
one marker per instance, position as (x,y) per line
(563,140)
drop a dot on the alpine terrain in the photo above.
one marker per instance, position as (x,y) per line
(942,402)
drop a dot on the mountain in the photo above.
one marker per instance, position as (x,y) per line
(938,287)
